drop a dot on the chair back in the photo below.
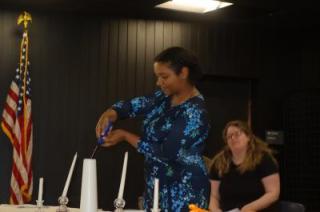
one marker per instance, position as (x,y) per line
(287,206)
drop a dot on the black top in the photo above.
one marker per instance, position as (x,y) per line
(237,190)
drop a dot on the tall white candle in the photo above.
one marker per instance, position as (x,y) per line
(156,195)
(89,195)
(66,186)
(123,176)
(40,189)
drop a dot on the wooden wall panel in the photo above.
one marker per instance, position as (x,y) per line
(132,57)
(141,57)
(150,54)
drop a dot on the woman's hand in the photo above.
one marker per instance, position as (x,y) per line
(114,137)
(109,115)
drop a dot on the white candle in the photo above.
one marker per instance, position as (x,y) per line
(66,186)
(156,195)
(89,195)
(40,189)
(123,176)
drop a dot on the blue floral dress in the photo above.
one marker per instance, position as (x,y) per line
(172,143)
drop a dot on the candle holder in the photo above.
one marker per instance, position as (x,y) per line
(39,205)
(119,204)
(63,201)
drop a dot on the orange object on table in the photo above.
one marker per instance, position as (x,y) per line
(195,208)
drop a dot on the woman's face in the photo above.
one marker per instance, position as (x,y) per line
(169,82)
(237,140)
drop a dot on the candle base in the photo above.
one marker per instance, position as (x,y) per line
(39,205)
(155,210)
(119,204)
(63,201)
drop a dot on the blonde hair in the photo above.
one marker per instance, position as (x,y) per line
(255,151)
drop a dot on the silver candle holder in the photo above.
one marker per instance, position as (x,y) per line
(63,201)
(119,204)
(39,205)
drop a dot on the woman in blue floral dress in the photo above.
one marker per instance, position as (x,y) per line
(175,128)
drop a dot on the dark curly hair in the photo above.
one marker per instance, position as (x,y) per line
(177,58)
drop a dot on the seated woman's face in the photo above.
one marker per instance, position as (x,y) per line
(237,140)
(169,82)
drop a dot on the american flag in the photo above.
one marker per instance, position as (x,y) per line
(17,125)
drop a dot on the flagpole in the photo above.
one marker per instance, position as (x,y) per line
(25,18)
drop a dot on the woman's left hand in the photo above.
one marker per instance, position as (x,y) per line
(114,137)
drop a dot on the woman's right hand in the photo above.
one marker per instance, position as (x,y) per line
(106,117)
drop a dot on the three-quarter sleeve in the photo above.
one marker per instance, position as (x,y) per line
(136,106)
(186,133)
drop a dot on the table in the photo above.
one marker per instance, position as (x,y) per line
(33,208)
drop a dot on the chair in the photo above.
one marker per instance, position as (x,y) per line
(287,206)
(140,202)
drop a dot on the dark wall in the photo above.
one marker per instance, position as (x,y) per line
(82,64)
(287,98)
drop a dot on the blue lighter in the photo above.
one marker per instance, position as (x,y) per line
(100,139)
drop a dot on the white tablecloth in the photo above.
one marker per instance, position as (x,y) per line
(33,208)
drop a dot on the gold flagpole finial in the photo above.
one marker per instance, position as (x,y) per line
(25,18)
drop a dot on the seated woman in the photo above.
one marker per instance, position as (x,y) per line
(244,175)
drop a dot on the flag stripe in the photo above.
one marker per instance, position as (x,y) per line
(29,133)
(13,91)
(9,116)
(13,198)
(17,175)
(8,131)
(11,103)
